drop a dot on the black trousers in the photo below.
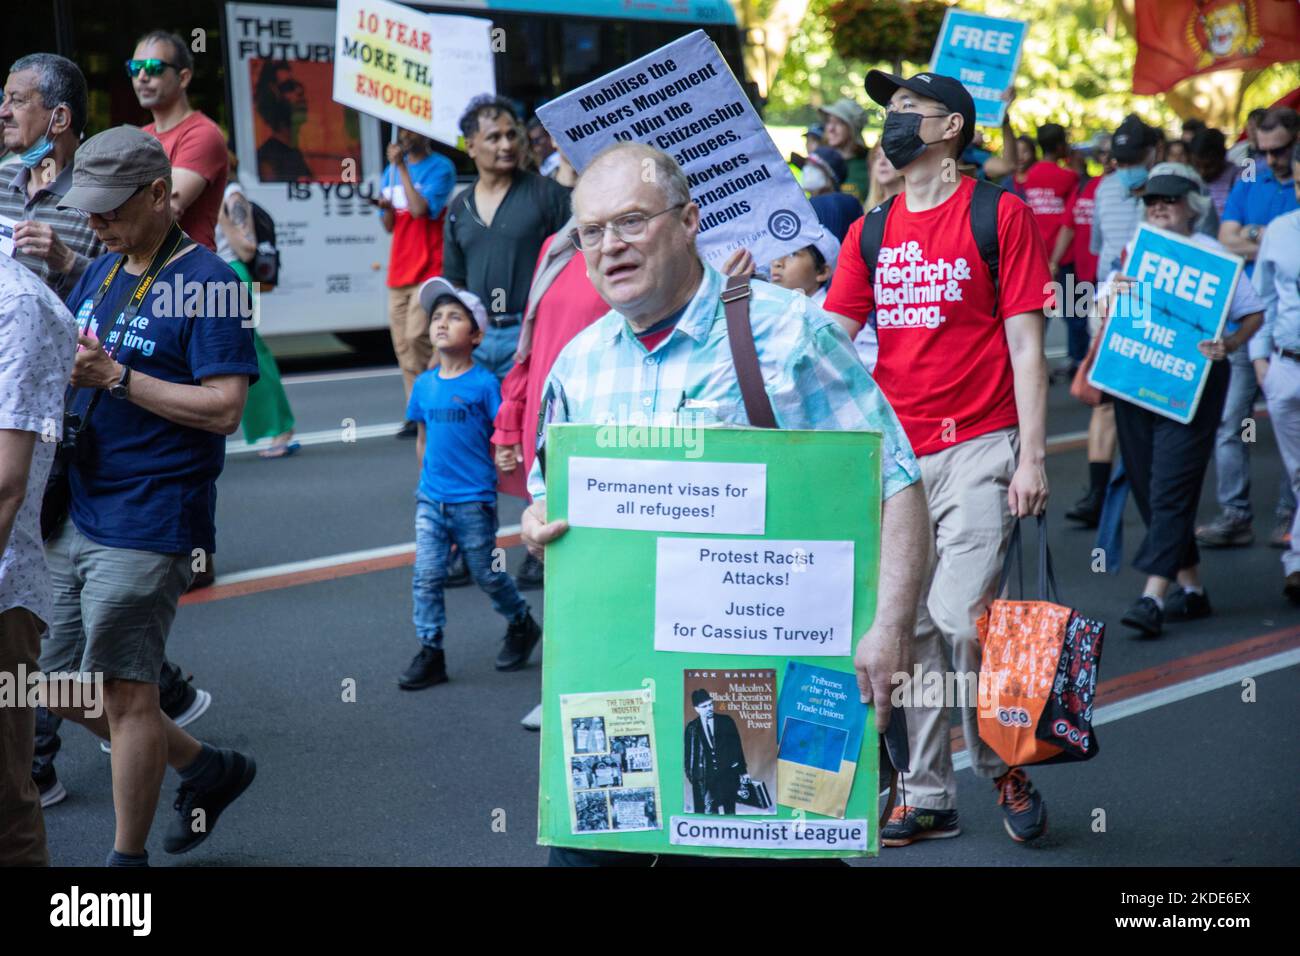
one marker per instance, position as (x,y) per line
(1165,462)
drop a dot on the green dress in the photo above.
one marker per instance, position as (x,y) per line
(266,412)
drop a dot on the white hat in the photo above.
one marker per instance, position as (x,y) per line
(828,246)
(438,286)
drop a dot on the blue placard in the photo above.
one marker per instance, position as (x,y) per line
(984,53)
(1148,354)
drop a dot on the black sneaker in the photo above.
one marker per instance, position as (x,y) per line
(457,571)
(909,824)
(1183,605)
(427,668)
(521,637)
(530,575)
(1023,812)
(1145,616)
(52,791)
(1087,510)
(197,810)
(179,698)
(409,429)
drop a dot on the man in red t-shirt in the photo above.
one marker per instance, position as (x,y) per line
(161,71)
(961,362)
(1047,187)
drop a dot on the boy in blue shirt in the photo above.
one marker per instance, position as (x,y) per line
(454,406)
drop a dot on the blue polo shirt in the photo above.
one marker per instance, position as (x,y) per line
(150,484)
(1260,202)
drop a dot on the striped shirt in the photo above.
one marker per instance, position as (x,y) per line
(811,372)
(72,228)
(1277,280)
(1115,216)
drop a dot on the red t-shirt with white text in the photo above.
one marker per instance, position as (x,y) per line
(1079,211)
(944,362)
(1046,188)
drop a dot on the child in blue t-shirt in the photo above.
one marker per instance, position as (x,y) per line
(454,406)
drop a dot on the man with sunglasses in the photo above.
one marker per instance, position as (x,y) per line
(159,382)
(1255,201)
(160,72)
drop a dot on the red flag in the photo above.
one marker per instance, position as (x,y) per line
(1181,38)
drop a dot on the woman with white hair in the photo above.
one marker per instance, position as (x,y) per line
(1164,459)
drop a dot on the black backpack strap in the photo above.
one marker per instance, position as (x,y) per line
(984,226)
(870,241)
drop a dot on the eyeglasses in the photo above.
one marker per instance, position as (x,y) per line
(151,67)
(1161,200)
(629,228)
(1279,151)
(114,214)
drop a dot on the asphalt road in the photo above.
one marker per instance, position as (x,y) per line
(1193,775)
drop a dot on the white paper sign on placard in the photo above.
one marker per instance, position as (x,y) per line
(727,596)
(684,496)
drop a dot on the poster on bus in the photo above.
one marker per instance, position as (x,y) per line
(684,99)
(310,162)
(409,68)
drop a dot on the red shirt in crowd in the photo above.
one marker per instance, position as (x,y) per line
(944,364)
(1047,187)
(196,144)
(567,307)
(1079,213)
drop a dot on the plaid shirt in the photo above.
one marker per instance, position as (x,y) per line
(812,374)
(72,228)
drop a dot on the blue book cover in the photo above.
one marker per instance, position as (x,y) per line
(821,718)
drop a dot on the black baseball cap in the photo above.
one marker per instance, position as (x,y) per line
(1131,141)
(935,86)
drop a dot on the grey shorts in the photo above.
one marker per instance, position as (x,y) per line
(113,607)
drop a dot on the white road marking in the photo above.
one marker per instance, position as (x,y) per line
(309,377)
(329,436)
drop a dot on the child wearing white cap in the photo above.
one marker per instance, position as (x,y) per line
(454,406)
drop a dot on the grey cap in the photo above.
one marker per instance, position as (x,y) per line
(110,166)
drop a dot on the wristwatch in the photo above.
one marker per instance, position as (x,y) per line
(1252,233)
(120,389)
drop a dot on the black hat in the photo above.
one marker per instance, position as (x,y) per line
(699,696)
(1131,141)
(935,86)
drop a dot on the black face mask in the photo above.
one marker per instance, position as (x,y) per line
(901,139)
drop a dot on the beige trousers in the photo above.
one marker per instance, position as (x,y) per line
(409,326)
(966,489)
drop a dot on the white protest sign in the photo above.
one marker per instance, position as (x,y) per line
(748,833)
(414,69)
(721,596)
(641,495)
(684,99)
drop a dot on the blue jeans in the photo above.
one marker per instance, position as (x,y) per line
(473,526)
(1231,454)
(496,352)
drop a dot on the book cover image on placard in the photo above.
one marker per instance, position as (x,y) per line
(822,717)
(729,748)
(609,754)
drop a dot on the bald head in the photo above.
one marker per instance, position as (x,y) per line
(639,163)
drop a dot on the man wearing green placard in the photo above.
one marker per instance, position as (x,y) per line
(664,344)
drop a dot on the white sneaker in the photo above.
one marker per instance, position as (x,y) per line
(199,707)
(533,720)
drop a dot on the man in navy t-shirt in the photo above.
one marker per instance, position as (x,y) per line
(160,378)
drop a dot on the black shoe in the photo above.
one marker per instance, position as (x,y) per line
(197,810)
(1145,616)
(530,575)
(1023,812)
(521,637)
(457,571)
(179,699)
(1087,510)
(51,790)
(908,824)
(409,429)
(427,668)
(1182,605)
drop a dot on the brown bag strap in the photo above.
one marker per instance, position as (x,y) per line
(744,356)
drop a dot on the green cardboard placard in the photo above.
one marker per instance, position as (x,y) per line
(601,605)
